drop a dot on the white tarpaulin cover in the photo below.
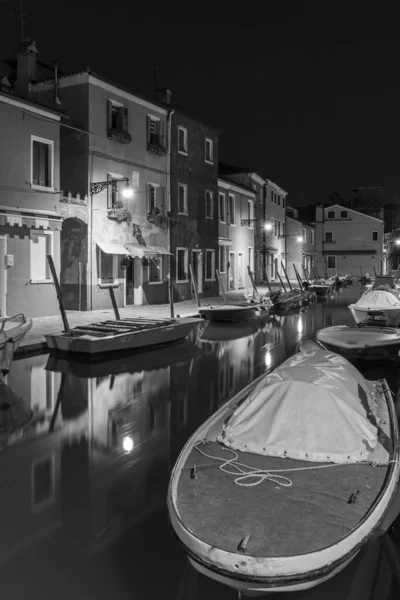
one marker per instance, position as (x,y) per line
(378,300)
(313,407)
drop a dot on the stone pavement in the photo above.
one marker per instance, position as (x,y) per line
(34,341)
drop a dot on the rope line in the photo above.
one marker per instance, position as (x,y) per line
(245,478)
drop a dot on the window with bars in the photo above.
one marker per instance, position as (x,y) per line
(42,163)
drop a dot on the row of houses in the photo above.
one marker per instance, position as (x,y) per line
(126,191)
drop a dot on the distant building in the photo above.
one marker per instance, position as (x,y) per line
(294,243)
(194,206)
(306,215)
(30,222)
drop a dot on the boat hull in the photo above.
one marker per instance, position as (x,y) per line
(226,313)
(361,314)
(155,337)
(261,573)
(15,333)
(369,342)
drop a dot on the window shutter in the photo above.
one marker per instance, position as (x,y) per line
(109,113)
(35,163)
(161,199)
(125,123)
(148,121)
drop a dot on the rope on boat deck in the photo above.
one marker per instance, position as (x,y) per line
(268,474)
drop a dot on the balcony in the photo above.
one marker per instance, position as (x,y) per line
(156,144)
(118,135)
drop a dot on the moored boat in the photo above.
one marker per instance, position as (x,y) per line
(381,305)
(245,311)
(281,487)
(14,329)
(366,341)
(123,334)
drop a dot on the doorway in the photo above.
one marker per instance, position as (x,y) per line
(2,276)
(240,270)
(129,287)
(232,271)
(197,263)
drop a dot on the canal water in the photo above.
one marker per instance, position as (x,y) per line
(83,483)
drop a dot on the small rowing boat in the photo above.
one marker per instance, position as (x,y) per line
(283,485)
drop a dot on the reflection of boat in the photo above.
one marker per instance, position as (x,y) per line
(380,305)
(222,332)
(235,312)
(14,413)
(14,329)
(365,341)
(126,363)
(303,475)
(123,334)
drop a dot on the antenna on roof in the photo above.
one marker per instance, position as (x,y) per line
(20,16)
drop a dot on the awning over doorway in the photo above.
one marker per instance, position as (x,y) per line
(141,251)
(110,248)
(224,242)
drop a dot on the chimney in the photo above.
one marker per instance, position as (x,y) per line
(164,96)
(26,67)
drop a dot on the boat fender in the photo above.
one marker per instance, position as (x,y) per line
(353,497)
(242,546)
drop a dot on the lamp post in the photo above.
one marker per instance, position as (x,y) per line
(127,192)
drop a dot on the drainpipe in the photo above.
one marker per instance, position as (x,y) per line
(169,202)
(89,277)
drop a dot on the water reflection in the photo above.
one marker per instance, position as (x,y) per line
(84,482)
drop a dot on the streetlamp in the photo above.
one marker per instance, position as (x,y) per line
(127,192)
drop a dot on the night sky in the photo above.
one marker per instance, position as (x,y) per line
(310,99)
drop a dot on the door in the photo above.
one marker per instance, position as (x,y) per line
(129,281)
(232,271)
(240,270)
(275,268)
(197,263)
(3,311)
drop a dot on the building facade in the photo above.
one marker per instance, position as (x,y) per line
(113,139)
(194,207)
(30,224)
(347,241)
(236,209)
(294,245)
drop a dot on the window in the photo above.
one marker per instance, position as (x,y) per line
(210,265)
(283,229)
(304,235)
(41,244)
(279,199)
(328,237)
(222,259)
(155,270)
(182,140)
(182,199)
(375,236)
(283,201)
(117,116)
(251,259)
(209,150)
(279,228)
(182,265)
(250,212)
(344,214)
(153,130)
(221,198)
(331,262)
(107,267)
(152,196)
(42,163)
(331,214)
(276,227)
(272,196)
(209,205)
(231,209)
(112,190)
(312,236)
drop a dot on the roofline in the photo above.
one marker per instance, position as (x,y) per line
(32,107)
(228,185)
(353,210)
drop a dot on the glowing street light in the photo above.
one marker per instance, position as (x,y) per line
(127,443)
(268,227)
(127,192)
(397,242)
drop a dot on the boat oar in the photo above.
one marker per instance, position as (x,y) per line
(58,292)
(222,286)
(280,279)
(287,278)
(194,283)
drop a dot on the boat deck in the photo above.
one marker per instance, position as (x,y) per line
(283,521)
(115,327)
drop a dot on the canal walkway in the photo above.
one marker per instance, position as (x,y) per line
(34,341)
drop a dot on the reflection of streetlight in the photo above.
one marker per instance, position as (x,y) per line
(397,242)
(300,325)
(127,443)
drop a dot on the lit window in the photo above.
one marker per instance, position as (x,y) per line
(209,150)
(182,199)
(209,205)
(210,264)
(182,140)
(107,267)
(42,163)
(41,244)
(182,264)
(222,207)
(155,270)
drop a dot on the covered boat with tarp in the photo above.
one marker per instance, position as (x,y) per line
(381,305)
(281,487)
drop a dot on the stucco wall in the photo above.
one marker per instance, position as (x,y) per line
(294,247)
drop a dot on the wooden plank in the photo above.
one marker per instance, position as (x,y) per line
(58,292)
(114,303)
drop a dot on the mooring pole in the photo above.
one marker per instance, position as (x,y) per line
(58,292)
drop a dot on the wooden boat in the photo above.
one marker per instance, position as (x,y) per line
(236,312)
(123,334)
(382,305)
(284,484)
(288,301)
(13,329)
(362,341)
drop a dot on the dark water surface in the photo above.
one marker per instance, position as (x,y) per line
(83,485)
